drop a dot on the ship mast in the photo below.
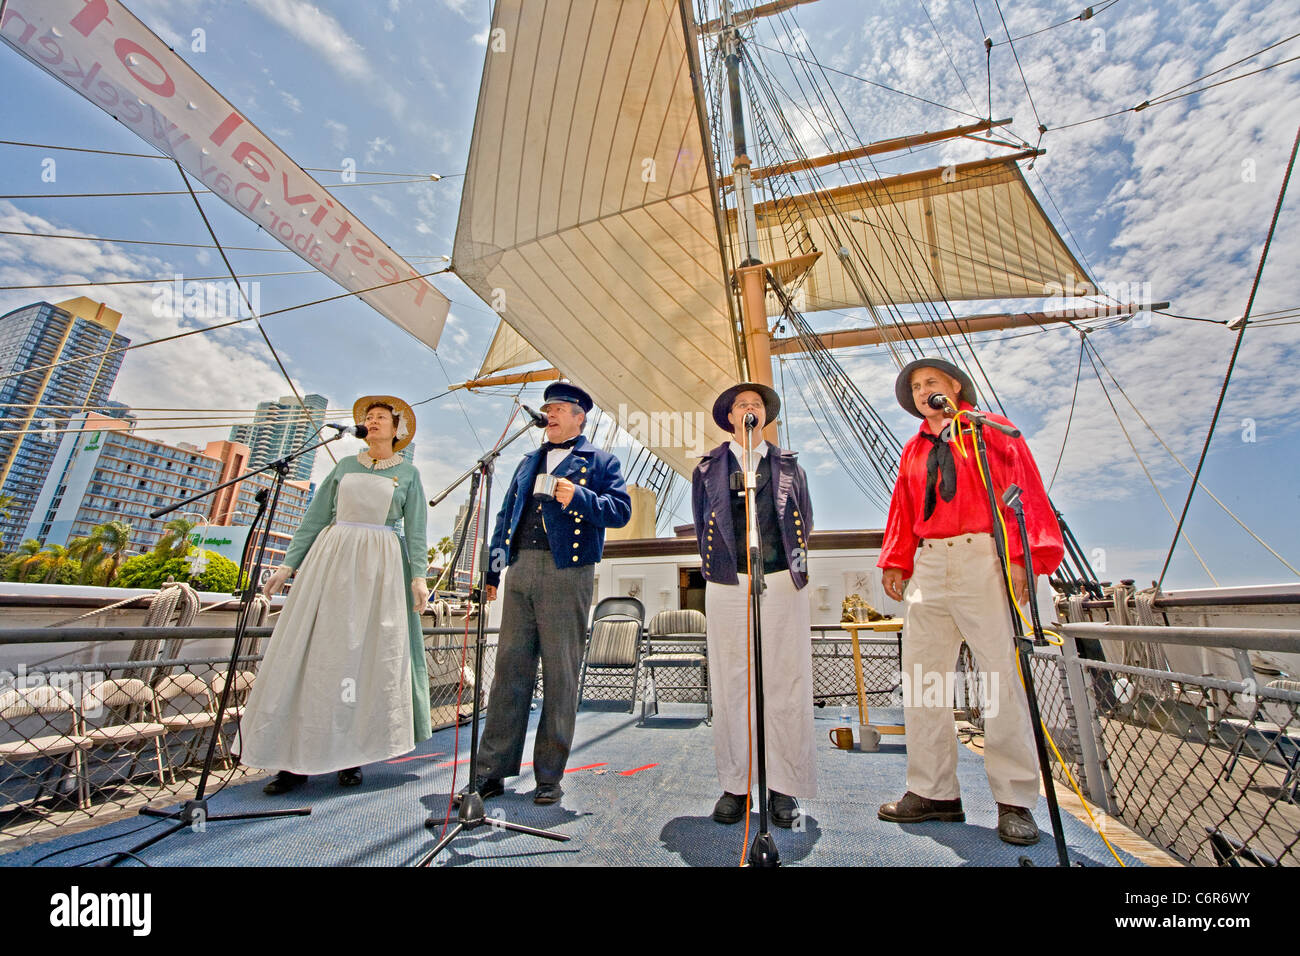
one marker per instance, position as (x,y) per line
(752,274)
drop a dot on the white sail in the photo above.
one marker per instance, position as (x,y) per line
(971,231)
(587,217)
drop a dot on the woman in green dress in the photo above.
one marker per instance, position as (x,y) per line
(343,682)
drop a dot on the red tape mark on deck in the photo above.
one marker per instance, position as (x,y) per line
(416,757)
(590,766)
(628,773)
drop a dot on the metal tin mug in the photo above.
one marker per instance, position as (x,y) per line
(842,737)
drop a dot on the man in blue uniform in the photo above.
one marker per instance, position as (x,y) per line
(551,545)
(784,517)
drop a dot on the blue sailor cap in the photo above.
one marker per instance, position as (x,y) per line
(566,392)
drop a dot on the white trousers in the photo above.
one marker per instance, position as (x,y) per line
(956,592)
(787,685)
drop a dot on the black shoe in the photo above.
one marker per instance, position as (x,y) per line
(730,808)
(1016,825)
(283,782)
(784,808)
(547,793)
(486,787)
(351,777)
(915,809)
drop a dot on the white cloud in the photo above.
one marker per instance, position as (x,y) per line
(226,369)
(318,30)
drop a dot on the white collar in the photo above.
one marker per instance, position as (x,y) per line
(738,449)
(366,461)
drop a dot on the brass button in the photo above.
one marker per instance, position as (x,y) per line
(575,544)
(950,544)
(796,514)
(575,557)
(577,531)
(583,468)
(582,481)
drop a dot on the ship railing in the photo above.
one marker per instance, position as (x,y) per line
(86,742)
(1206,768)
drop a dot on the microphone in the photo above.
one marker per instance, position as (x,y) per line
(358,430)
(940,402)
(539,420)
(751,420)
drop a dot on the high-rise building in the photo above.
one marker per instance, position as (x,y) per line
(280,428)
(36,407)
(105,473)
(237,504)
(469,562)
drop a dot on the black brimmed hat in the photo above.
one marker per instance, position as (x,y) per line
(566,392)
(903,384)
(722,405)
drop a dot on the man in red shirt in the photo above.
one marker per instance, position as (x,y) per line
(940,559)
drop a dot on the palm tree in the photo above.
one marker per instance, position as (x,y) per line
(56,559)
(176,536)
(115,539)
(89,552)
(16,563)
(445,547)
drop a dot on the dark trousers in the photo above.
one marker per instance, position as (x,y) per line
(543,613)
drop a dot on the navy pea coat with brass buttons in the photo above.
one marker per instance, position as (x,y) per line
(711,505)
(576,534)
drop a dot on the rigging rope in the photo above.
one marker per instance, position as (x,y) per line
(1236,349)
(1092,347)
(1074,399)
(1138,455)
(244,295)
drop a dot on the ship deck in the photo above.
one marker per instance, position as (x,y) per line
(635,795)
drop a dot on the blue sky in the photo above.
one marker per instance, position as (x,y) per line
(1179,196)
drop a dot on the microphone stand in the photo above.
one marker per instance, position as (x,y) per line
(762,852)
(193,813)
(471,815)
(1012,498)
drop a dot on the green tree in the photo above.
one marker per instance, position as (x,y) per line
(151,570)
(176,535)
(56,561)
(89,555)
(13,563)
(114,539)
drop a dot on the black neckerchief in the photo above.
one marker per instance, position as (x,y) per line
(940,471)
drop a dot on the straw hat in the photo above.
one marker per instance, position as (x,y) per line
(405,417)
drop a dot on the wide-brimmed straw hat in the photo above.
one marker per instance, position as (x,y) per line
(903,384)
(405,417)
(722,404)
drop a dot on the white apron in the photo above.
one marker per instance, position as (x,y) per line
(334,689)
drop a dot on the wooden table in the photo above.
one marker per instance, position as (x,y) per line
(886,625)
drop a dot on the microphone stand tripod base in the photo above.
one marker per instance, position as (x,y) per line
(471,817)
(762,852)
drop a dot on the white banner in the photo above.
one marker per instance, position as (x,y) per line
(99,49)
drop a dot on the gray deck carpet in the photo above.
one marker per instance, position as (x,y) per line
(634,796)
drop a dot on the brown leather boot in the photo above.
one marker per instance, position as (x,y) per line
(916,809)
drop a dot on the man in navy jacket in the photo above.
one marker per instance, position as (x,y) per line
(784,517)
(551,544)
